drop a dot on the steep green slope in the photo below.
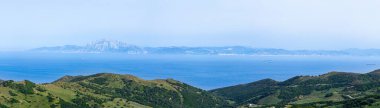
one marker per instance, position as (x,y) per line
(106,90)
(244,93)
(334,88)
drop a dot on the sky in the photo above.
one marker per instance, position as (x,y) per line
(287,24)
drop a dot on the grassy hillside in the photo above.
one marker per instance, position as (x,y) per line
(106,91)
(339,89)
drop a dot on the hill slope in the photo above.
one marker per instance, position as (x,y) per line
(331,89)
(106,90)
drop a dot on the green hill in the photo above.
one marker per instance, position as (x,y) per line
(106,91)
(340,89)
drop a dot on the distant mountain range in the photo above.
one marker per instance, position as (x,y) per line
(110,46)
(101,46)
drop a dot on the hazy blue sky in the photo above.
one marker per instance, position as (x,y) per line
(290,24)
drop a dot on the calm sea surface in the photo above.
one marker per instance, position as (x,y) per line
(206,72)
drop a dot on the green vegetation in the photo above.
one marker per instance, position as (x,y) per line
(106,91)
(331,90)
(334,89)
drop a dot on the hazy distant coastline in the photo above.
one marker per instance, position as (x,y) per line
(108,46)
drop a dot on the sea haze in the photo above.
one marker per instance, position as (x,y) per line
(204,71)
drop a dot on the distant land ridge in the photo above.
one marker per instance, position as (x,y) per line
(112,46)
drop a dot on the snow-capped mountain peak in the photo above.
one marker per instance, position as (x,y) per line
(104,44)
(112,46)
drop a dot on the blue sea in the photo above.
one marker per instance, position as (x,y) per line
(203,71)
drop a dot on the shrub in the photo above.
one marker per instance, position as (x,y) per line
(329,94)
